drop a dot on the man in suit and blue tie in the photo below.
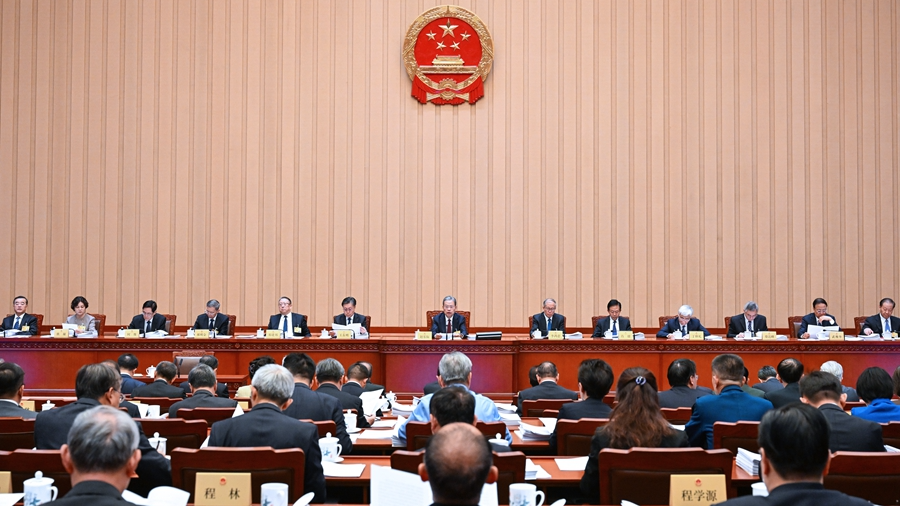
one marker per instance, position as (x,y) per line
(350,316)
(449,322)
(612,323)
(750,320)
(212,319)
(684,322)
(24,323)
(290,324)
(548,319)
(884,321)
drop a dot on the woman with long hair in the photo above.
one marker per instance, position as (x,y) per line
(636,421)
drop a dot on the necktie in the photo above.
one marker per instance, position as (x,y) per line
(683,330)
(449,325)
(750,326)
(615,329)
(284,325)
(212,323)
(147,326)
(349,320)
(549,324)
(887,324)
(18,324)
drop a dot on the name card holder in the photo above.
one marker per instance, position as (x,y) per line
(836,336)
(201,334)
(696,489)
(555,335)
(132,333)
(29,405)
(60,333)
(769,336)
(25,328)
(626,335)
(5,482)
(423,336)
(695,335)
(344,334)
(273,334)
(223,489)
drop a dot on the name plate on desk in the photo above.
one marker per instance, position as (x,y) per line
(29,405)
(5,482)
(836,336)
(132,333)
(273,334)
(60,333)
(201,334)
(769,336)
(221,489)
(695,335)
(555,335)
(696,489)
(423,336)
(626,335)
(344,334)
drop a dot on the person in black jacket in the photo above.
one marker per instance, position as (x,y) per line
(548,388)
(849,433)
(310,405)
(149,320)
(213,320)
(750,320)
(329,374)
(685,389)
(128,363)
(162,385)
(203,380)
(24,323)
(790,370)
(221,389)
(595,378)
(768,379)
(12,388)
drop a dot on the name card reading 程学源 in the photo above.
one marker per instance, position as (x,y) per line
(201,334)
(555,335)
(223,489)
(836,336)
(626,335)
(695,335)
(696,489)
(273,334)
(769,336)
(344,334)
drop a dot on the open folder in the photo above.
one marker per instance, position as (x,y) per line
(391,487)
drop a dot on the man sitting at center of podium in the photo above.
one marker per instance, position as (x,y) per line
(290,324)
(684,323)
(449,322)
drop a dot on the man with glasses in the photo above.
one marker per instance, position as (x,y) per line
(684,323)
(684,383)
(819,317)
(750,320)
(290,324)
(884,321)
(212,320)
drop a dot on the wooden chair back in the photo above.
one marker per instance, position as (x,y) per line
(264,464)
(676,416)
(179,433)
(641,475)
(858,322)
(491,429)
(99,323)
(890,432)
(732,436)
(727,323)
(536,407)
(429,315)
(531,322)
(170,323)
(405,460)
(368,323)
(662,323)
(573,437)
(23,463)
(324,427)
(211,415)
(164,403)
(794,325)
(853,404)
(40,320)
(417,435)
(870,476)
(185,360)
(232,324)
(16,433)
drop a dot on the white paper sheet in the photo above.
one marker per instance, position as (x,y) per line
(503,407)
(575,464)
(390,487)
(10,499)
(159,496)
(375,434)
(534,471)
(334,470)
(548,422)
(372,401)
(383,424)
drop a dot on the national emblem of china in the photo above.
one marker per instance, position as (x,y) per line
(448,53)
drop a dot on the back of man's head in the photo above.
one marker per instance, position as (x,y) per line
(300,365)
(127,362)
(790,370)
(834,368)
(766,372)
(93,381)
(358,372)
(102,440)
(680,372)
(458,460)
(874,383)
(451,405)
(818,387)
(547,370)
(202,376)
(166,370)
(12,377)
(329,370)
(596,377)
(455,367)
(273,383)
(795,441)
(728,367)
(209,360)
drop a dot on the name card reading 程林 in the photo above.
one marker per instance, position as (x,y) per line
(555,335)
(201,334)
(836,336)
(223,489)
(696,489)
(344,334)
(695,335)
(132,333)
(626,335)
(768,336)
(273,334)
(60,333)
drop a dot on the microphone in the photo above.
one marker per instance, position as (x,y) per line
(180,363)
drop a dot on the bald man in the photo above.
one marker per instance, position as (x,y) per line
(458,462)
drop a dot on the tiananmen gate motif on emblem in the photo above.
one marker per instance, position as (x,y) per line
(448,53)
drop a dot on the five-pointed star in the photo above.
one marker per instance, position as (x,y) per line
(441,45)
(455,45)
(466,36)
(431,35)
(448,28)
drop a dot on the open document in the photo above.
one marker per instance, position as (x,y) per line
(391,487)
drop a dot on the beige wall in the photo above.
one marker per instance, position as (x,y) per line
(661,152)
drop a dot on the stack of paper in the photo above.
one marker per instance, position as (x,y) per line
(748,461)
(533,433)
(334,470)
(573,464)
(549,423)
(891,448)
(372,401)
(383,424)
(576,336)
(402,409)
(713,338)
(391,487)
(505,408)
(534,471)
(510,419)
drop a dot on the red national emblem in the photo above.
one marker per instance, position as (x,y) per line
(448,53)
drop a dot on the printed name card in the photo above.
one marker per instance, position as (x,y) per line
(555,335)
(223,489)
(696,489)
(836,336)
(344,334)
(769,336)
(695,335)
(132,333)
(60,332)
(29,405)
(626,335)
(201,334)
(426,336)
(5,482)
(273,334)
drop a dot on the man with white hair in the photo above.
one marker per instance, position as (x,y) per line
(548,319)
(684,322)
(266,425)
(838,370)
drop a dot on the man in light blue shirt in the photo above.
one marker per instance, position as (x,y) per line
(455,369)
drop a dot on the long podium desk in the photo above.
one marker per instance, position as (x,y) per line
(406,365)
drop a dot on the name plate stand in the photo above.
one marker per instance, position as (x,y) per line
(695,335)
(60,333)
(626,335)
(555,335)
(696,489)
(769,336)
(836,336)
(344,334)
(132,333)
(273,334)
(423,336)
(223,489)
(201,334)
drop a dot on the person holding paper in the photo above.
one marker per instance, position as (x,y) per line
(350,316)
(85,322)
(12,388)
(547,388)
(162,384)
(822,390)
(149,320)
(790,370)
(684,383)
(203,382)
(684,323)
(311,405)
(24,323)
(612,323)
(458,462)
(212,319)
(818,317)
(884,321)
(290,324)
(750,320)
(449,322)
(329,374)
(548,319)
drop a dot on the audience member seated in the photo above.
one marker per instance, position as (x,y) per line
(132,408)
(12,388)
(547,388)
(162,385)
(875,388)
(458,462)
(434,386)
(790,370)
(745,386)
(202,380)
(310,405)
(371,386)
(730,405)
(595,378)
(768,379)
(822,390)
(838,370)
(95,385)
(636,421)
(455,369)
(221,389)
(455,404)
(128,363)
(101,455)
(255,364)
(684,385)
(357,379)
(794,455)
(684,323)
(267,425)
(329,374)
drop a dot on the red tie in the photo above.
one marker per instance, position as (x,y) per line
(449,325)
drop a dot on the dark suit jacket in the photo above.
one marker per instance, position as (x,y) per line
(266,425)
(770,385)
(874,322)
(439,324)
(731,405)
(811,319)
(352,388)
(755,392)
(799,494)
(603,324)
(158,322)
(852,396)
(738,325)
(220,323)
(201,399)
(545,390)
(681,397)
(371,387)
(315,406)
(790,393)
(132,408)
(221,389)
(851,433)
(672,325)
(539,322)
(588,408)
(431,388)
(51,429)
(357,318)
(27,319)
(347,400)
(95,493)
(297,320)
(159,388)
(129,383)
(12,410)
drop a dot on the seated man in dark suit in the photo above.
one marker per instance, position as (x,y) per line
(684,383)
(132,408)
(350,315)
(449,322)
(819,317)
(101,454)
(750,320)
(768,379)
(97,384)
(128,363)
(24,323)
(794,455)
(755,392)
(822,390)
(202,380)
(213,363)
(790,370)
(12,388)
(548,319)
(838,370)
(149,320)
(435,385)
(684,323)
(310,405)
(595,378)
(883,321)
(547,377)
(458,462)
(267,425)
(289,323)
(371,386)
(358,376)
(162,385)
(329,374)
(612,323)
(455,404)
(213,320)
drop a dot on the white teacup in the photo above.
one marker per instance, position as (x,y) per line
(274,494)
(153,411)
(39,490)
(759,488)
(350,420)
(524,494)
(151,371)
(142,409)
(158,442)
(47,406)
(331,449)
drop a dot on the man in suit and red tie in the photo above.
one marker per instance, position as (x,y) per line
(449,322)
(548,319)
(883,321)
(290,324)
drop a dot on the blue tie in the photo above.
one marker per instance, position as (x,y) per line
(285,326)
(615,329)
(887,324)
(18,325)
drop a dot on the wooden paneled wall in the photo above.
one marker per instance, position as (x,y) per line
(657,151)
